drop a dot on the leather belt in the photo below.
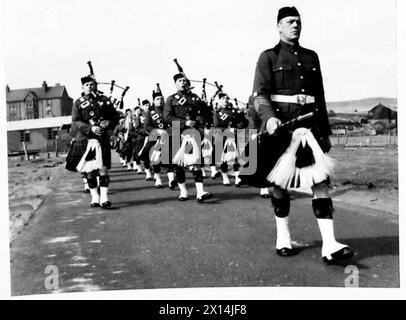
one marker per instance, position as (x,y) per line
(301,99)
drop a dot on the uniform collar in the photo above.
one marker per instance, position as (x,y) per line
(289,47)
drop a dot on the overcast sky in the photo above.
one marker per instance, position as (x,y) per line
(134,43)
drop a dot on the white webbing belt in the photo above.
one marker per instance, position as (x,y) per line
(301,99)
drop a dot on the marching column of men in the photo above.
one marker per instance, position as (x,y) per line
(288,88)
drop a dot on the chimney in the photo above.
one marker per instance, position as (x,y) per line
(44,86)
(7,88)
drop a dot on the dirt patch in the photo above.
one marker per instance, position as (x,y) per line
(29,182)
(367,177)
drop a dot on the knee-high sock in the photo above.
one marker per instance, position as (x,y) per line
(226,180)
(92,181)
(199,189)
(148,173)
(213,170)
(157,177)
(95,195)
(237,177)
(171,177)
(330,244)
(203,172)
(282,233)
(183,190)
(323,210)
(104,187)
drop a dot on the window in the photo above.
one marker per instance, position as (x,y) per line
(52,133)
(48,109)
(29,111)
(24,136)
(12,113)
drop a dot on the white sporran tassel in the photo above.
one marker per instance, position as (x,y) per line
(185,159)
(229,151)
(156,153)
(285,173)
(207,148)
(96,164)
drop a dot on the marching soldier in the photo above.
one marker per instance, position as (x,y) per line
(154,121)
(231,118)
(118,135)
(141,152)
(185,108)
(92,116)
(137,141)
(288,83)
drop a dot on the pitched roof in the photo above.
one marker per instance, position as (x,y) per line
(382,112)
(40,93)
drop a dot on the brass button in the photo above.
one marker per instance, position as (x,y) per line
(301,77)
(303,90)
(299,64)
(280,68)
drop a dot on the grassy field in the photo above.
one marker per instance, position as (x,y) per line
(367,177)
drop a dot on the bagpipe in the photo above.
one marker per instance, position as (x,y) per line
(290,158)
(118,103)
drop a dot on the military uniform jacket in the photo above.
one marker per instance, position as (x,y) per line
(183,107)
(229,117)
(89,109)
(289,70)
(154,119)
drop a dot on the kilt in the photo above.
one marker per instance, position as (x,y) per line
(269,149)
(78,149)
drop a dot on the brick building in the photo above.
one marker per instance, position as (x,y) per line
(35,116)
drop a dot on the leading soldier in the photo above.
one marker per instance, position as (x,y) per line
(93,115)
(288,83)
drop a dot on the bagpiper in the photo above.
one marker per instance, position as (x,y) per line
(92,116)
(229,119)
(184,109)
(154,122)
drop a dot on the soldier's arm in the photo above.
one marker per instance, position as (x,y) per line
(148,122)
(242,121)
(216,120)
(78,122)
(262,88)
(321,103)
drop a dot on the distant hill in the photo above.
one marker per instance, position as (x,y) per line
(362,105)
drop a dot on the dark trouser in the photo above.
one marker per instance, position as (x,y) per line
(181,176)
(224,166)
(157,168)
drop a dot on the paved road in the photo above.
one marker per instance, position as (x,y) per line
(151,240)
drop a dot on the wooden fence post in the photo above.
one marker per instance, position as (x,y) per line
(25,151)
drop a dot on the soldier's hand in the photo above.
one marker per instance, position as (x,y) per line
(272,124)
(190,123)
(97,130)
(105,123)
